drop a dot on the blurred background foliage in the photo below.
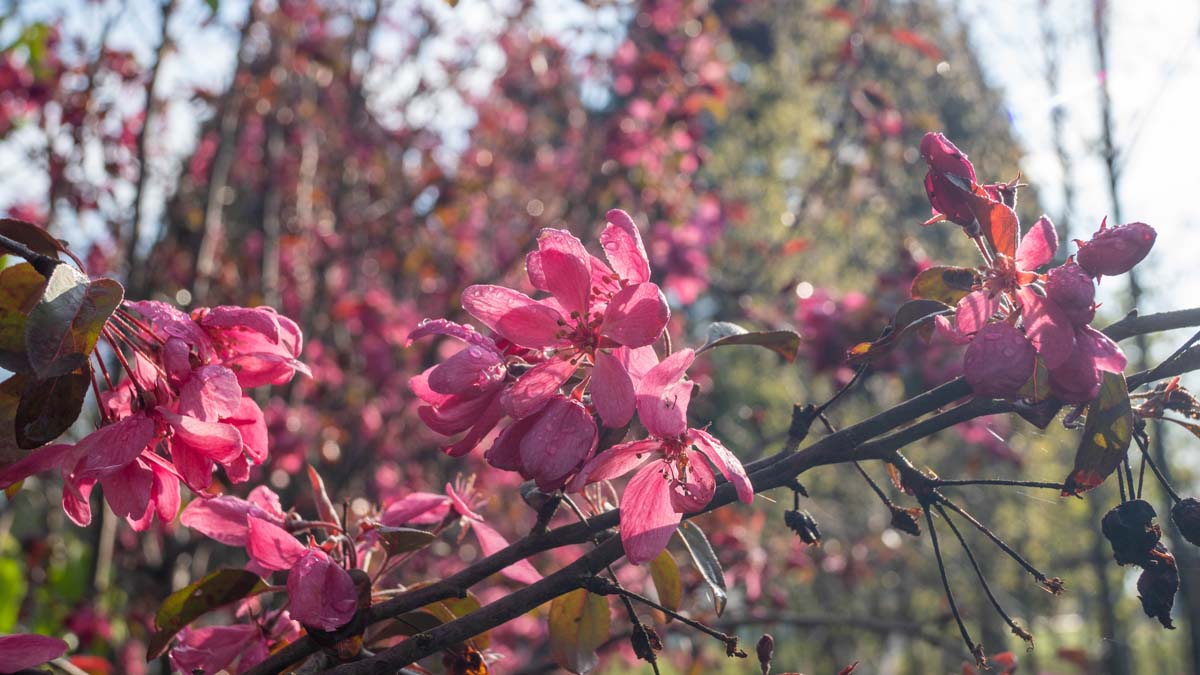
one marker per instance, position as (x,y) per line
(360,163)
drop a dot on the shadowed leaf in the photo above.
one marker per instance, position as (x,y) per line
(184,606)
(10,398)
(37,239)
(911,315)
(48,407)
(946,285)
(1106,436)
(706,562)
(63,328)
(579,623)
(665,574)
(398,540)
(21,287)
(722,333)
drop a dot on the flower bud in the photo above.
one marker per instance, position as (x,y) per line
(1158,585)
(1072,289)
(949,172)
(1115,250)
(1186,515)
(764,650)
(804,525)
(999,361)
(1131,530)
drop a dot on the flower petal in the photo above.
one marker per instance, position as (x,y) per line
(26,650)
(569,280)
(728,463)
(974,310)
(563,437)
(1103,352)
(464,332)
(272,546)
(211,393)
(468,372)
(612,390)
(636,316)
(663,396)
(320,593)
(697,491)
(623,247)
(1048,327)
(108,449)
(559,241)
(614,462)
(514,315)
(531,391)
(1038,246)
(647,518)
(491,541)
(418,508)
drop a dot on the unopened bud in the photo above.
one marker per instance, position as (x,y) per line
(1186,515)
(804,525)
(764,650)
(1115,250)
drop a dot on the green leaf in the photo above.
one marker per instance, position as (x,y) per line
(579,624)
(398,540)
(63,328)
(1037,387)
(49,407)
(722,333)
(665,574)
(21,286)
(184,606)
(944,284)
(706,562)
(10,398)
(1106,436)
(911,315)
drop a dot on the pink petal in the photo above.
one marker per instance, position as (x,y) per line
(569,280)
(1103,352)
(514,315)
(252,427)
(491,541)
(624,249)
(76,500)
(647,518)
(272,546)
(612,390)
(637,361)
(219,442)
(194,467)
(128,493)
(1038,246)
(468,372)
(26,650)
(662,396)
(268,502)
(563,436)
(107,449)
(212,648)
(165,493)
(1048,327)
(614,462)
(531,391)
(57,456)
(636,316)
(974,310)
(697,491)
(948,331)
(558,241)
(505,453)
(1078,380)
(259,369)
(466,333)
(456,415)
(261,320)
(418,508)
(225,518)
(320,593)
(487,421)
(728,463)
(211,393)
(460,504)
(419,384)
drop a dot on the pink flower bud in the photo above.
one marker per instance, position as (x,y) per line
(1115,250)
(1072,289)
(947,166)
(944,157)
(999,361)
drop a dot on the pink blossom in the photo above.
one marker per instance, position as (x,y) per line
(490,540)
(224,518)
(1115,250)
(999,361)
(320,593)
(676,478)
(26,650)
(214,648)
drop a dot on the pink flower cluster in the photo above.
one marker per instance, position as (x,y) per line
(555,364)
(180,414)
(1017,319)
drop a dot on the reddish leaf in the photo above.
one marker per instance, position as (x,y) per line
(917,42)
(911,315)
(63,328)
(48,407)
(999,223)
(1106,436)
(36,238)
